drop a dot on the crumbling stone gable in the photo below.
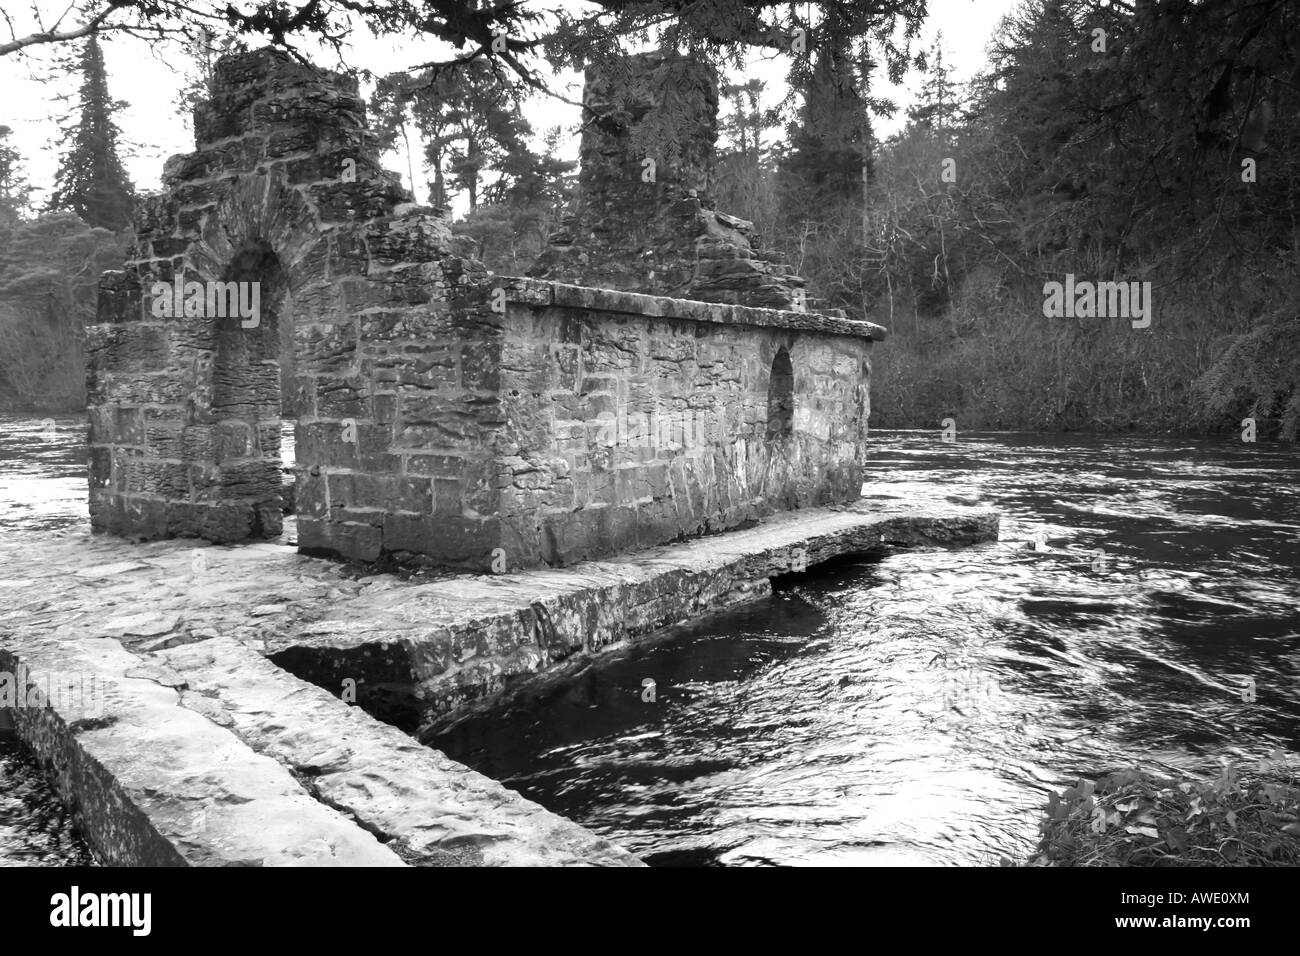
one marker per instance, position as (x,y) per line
(662,236)
(365,308)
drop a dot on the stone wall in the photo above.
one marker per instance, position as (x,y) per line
(633,420)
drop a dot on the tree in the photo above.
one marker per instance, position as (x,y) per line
(470,122)
(15,193)
(475,138)
(49,273)
(743,127)
(513,35)
(938,105)
(533,180)
(830,148)
(91,180)
(522,207)
(745,176)
(482,126)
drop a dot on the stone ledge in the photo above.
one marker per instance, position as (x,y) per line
(152,783)
(206,753)
(543,293)
(432,810)
(421,651)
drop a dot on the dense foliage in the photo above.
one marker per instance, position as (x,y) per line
(1247,816)
(1165,154)
(49,271)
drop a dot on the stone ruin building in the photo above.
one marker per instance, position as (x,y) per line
(444,414)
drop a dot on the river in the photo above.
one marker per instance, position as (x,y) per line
(919,709)
(912,710)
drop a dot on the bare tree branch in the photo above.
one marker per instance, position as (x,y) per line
(94,25)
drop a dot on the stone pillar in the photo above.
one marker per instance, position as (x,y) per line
(643,219)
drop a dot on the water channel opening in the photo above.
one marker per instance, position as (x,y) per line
(780,397)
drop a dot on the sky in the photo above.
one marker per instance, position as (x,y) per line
(147,77)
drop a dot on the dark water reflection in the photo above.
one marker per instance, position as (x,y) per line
(919,709)
(34,828)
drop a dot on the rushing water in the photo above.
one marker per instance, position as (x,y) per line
(42,492)
(34,828)
(920,708)
(916,709)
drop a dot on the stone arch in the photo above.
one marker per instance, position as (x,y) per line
(283,189)
(260,234)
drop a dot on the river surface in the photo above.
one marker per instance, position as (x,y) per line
(920,708)
(35,830)
(911,710)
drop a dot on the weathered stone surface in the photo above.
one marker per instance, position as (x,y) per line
(659,425)
(429,809)
(191,749)
(458,638)
(539,293)
(155,784)
(642,220)
(281,155)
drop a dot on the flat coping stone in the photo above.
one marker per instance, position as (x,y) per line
(545,293)
(430,809)
(154,783)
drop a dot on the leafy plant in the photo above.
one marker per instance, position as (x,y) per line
(1246,816)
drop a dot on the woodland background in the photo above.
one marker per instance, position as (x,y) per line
(1171,156)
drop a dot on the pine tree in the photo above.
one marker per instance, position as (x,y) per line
(938,105)
(830,149)
(91,180)
(15,193)
(469,122)
(743,127)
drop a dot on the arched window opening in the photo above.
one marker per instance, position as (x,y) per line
(780,397)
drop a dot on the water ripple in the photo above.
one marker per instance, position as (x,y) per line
(917,710)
